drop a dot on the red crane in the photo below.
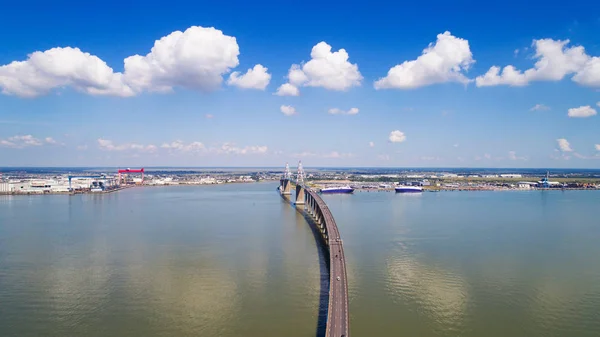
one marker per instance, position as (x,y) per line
(131,171)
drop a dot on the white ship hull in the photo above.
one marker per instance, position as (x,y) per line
(408,189)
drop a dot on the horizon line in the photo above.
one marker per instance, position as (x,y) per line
(283,167)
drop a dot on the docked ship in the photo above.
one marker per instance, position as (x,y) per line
(97,187)
(339,189)
(408,189)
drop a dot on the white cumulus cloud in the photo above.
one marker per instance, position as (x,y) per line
(60,67)
(287,89)
(336,111)
(371,144)
(512,155)
(539,107)
(196,59)
(582,112)
(509,76)
(329,155)
(255,78)
(227,148)
(326,69)
(178,145)
(564,145)
(26,140)
(580,156)
(288,110)
(109,145)
(397,136)
(554,61)
(231,148)
(589,74)
(444,61)
(51,141)
(21,141)
(597,147)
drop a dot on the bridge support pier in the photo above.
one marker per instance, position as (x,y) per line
(285,187)
(300,195)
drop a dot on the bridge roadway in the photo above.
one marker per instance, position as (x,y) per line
(337,313)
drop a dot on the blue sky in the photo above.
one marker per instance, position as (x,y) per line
(179,104)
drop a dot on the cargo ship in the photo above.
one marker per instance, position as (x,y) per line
(408,189)
(339,189)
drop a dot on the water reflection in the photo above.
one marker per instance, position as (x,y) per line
(564,304)
(6,199)
(76,282)
(167,262)
(440,294)
(239,261)
(200,300)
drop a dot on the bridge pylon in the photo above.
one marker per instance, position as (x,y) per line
(285,186)
(301,175)
(300,195)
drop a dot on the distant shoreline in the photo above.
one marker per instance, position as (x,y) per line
(358,190)
(128,187)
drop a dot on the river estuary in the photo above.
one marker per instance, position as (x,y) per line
(237,260)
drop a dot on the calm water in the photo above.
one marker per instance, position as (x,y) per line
(236,260)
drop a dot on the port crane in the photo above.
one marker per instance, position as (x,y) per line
(128,170)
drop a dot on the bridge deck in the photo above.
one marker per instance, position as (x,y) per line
(337,315)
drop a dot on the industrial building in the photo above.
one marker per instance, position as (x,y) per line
(58,185)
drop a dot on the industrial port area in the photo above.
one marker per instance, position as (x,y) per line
(102,180)
(75,181)
(445,181)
